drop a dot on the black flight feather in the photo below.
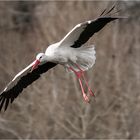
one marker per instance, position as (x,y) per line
(111,9)
(91,28)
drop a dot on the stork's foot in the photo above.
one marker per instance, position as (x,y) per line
(86,98)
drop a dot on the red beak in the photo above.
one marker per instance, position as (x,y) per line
(35,65)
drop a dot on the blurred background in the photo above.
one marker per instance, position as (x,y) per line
(53,106)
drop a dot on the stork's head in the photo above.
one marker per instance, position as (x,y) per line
(40,58)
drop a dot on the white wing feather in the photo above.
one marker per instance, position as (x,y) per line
(18,76)
(73,35)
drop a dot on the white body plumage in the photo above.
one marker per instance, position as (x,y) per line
(84,56)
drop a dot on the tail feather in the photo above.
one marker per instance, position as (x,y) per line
(85,58)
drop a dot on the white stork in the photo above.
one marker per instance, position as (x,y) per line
(70,52)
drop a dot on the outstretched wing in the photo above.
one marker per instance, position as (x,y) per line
(21,81)
(81,33)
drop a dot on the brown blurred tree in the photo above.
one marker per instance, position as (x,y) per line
(53,106)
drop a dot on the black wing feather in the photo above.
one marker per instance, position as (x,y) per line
(91,28)
(110,10)
(2,102)
(103,12)
(6,103)
(26,80)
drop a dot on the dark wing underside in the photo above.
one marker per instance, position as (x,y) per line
(91,28)
(8,96)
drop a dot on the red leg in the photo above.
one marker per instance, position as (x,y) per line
(83,92)
(79,74)
(89,89)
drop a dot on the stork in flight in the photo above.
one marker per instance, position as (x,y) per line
(70,52)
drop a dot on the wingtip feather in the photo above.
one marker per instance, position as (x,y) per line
(6,104)
(1,104)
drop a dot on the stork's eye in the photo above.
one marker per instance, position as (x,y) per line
(40,57)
